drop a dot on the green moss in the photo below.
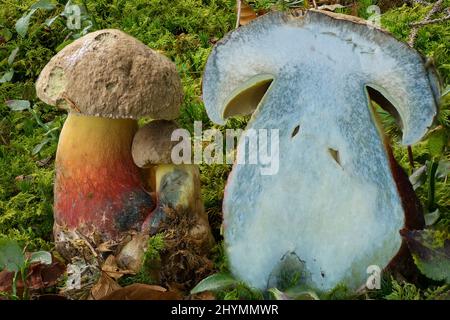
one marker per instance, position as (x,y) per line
(185,31)
(403,291)
(150,263)
(154,247)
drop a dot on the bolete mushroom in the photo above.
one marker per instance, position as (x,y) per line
(106,80)
(177,186)
(338,201)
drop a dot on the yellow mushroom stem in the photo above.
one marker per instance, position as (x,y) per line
(97,186)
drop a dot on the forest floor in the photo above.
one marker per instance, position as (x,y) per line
(184,31)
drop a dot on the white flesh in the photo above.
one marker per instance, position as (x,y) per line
(338,212)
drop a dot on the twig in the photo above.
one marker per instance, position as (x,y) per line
(70,102)
(424,23)
(239,7)
(314,4)
(435,9)
(423,2)
(410,158)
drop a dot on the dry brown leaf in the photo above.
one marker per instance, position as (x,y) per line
(131,256)
(107,246)
(355,8)
(247,14)
(39,276)
(105,286)
(111,268)
(140,291)
(206,295)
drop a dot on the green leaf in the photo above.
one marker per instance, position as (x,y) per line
(436,142)
(293,295)
(215,282)
(446,91)
(11,256)
(23,23)
(63,45)
(50,21)
(43,257)
(7,76)
(18,105)
(431,252)
(39,147)
(443,169)
(43,4)
(419,177)
(432,217)
(12,56)
(6,34)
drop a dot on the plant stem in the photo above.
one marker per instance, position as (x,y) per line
(431,186)
(24,280)
(411,158)
(94,22)
(14,285)
(238,19)
(41,124)
(437,7)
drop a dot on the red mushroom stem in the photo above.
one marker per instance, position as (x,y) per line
(97,186)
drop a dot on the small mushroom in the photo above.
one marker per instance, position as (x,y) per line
(177,186)
(105,80)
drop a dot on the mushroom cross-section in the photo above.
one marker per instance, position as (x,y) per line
(106,80)
(338,201)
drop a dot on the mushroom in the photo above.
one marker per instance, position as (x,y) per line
(106,80)
(339,199)
(177,186)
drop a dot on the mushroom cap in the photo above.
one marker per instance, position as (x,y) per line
(110,74)
(337,45)
(152,144)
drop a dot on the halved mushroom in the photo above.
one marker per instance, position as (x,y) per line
(106,80)
(339,199)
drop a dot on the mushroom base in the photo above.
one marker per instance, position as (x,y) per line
(98,188)
(178,192)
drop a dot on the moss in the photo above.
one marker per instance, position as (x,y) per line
(154,247)
(403,291)
(185,31)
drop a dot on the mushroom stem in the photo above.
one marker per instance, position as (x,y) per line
(97,186)
(178,187)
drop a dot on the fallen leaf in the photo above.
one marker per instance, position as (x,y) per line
(105,286)
(6,278)
(131,256)
(247,14)
(107,246)
(205,295)
(39,276)
(50,296)
(112,269)
(431,252)
(140,291)
(214,282)
(44,162)
(23,178)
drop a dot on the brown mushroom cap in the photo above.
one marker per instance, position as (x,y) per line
(152,144)
(110,74)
